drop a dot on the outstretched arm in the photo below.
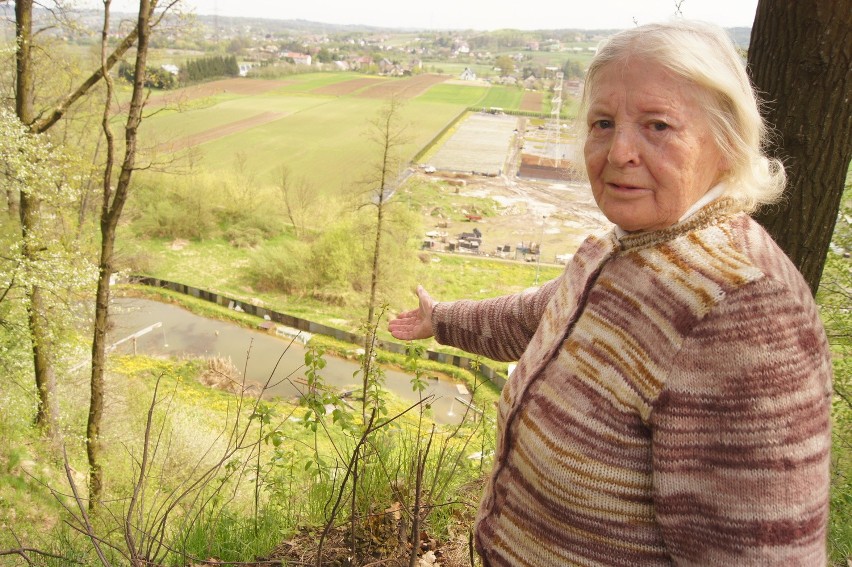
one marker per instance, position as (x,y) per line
(417,323)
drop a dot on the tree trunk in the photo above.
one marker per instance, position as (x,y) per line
(28,209)
(23,75)
(112,206)
(23,61)
(96,401)
(388,134)
(800,60)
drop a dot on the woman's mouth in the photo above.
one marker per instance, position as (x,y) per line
(622,187)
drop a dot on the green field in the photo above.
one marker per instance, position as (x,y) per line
(321,138)
(455,94)
(507,98)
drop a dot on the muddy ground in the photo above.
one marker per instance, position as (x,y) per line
(556,215)
(541,199)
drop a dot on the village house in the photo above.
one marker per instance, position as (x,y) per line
(298,58)
(462,49)
(385,66)
(245,68)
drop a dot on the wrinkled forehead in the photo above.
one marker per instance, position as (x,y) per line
(643,79)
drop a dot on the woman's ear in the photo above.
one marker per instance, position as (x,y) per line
(725,163)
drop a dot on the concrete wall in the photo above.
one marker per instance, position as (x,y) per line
(316,328)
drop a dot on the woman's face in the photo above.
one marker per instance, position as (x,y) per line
(649,153)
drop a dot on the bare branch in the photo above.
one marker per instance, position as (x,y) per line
(84,516)
(23,551)
(49,117)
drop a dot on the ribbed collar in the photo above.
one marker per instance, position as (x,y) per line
(705,216)
(711,195)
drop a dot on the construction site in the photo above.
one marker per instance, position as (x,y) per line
(528,166)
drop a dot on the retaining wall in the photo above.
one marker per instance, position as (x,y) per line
(316,328)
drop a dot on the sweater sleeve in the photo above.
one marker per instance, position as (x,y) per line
(498,328)
(741,435)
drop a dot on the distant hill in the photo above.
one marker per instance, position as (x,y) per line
(273,27)
(740,35)
(302,26)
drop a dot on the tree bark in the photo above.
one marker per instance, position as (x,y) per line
(28,206)
(112,206)
(389,135)
(800,60)
(24,79)
(29,209)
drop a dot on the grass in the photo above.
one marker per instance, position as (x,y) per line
(459,276)
(215,265)
(457,94)
(320,138)
(221,110)
(323,139)
(433,197)
(570,106)
(193,418)
(507,98)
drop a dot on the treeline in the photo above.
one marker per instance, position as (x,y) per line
(209,67)
(193,70)
(155,77)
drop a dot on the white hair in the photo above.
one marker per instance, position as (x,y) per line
(703,55)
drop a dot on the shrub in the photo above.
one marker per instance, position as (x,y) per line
(281,267)
(244,236)
(339,258)
(182,209)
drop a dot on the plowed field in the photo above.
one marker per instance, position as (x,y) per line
(346,87)
(236,86)
(532,101)
(408,87)
(219,131)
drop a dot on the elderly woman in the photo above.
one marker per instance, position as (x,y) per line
(671,400)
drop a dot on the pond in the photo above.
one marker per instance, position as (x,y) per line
(261,356)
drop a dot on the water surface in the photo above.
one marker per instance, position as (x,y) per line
(263,357)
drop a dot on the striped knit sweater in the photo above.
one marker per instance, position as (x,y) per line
(670,405)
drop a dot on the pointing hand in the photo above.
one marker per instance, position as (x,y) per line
(417,323)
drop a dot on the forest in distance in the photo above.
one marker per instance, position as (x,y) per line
(267,177)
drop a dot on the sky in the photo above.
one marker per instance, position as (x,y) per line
(482,14)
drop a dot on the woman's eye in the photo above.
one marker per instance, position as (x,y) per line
(603,124)
(659,126)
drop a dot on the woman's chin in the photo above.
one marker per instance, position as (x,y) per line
(629,221)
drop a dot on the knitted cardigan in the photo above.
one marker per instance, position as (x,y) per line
(670,404)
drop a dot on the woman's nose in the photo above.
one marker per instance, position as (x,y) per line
(623,149)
